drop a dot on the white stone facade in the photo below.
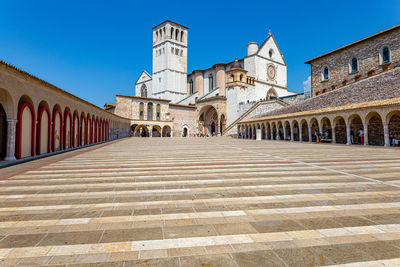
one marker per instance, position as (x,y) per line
(264,74)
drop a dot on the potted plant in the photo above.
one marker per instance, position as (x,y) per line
(371,73)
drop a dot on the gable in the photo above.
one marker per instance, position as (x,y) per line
(144,77)
(270,45)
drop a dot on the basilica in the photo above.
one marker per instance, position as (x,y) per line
(172,102)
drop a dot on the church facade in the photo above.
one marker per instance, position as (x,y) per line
(205,101)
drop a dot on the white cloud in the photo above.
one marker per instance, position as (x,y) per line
(307,84)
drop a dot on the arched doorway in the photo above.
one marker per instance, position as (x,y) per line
(274,131)
(156,131)
(43,129)
(314,129)
(133,129)
(3,132)
(222,124)
(25,145)
(166,131)
(375,130)
(212,128)
(268,133)
(355,126)
(326,130)
(295,131)
(142,131)
(263,136)
(304,131)
(76,130)
(394,128)
(185,131)
(208,120)
(340,130)
(287,131)
(67,128)
(280,131)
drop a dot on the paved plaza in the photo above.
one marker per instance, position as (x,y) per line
(204,202)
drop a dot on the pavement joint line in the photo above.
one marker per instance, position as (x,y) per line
(317,166)
(77,150)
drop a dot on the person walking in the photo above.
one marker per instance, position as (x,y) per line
(362,136)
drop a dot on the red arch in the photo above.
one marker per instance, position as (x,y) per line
(93,130)
(39,129)
(67,115)
(73,131)
(55,112)
(101,130)
(83,126)
(89,131)
(96,122)
(106,130)
(21,107)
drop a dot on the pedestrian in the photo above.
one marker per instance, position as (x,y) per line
(362,136)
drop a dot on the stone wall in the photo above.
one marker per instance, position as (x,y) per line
(368,55)
(182,116)
(381,86)
(262,108)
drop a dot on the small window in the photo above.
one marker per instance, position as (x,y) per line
(385,55)
(191,89)
(141,111)
(326,74)
(271,53)
(172,50)
(210,82)
(150,111)
(158,112)
(354,64)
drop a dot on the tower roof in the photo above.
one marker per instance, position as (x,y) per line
(169,21)
(236,64)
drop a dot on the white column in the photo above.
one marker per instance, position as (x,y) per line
(291,134)
(309,134)
(365,134)
(386,134)
(348,133)
(300,134)
(333,135)
(11,139)
(284,132)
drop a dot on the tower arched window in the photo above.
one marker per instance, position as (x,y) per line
(150,111)
(172,32)
(354,64)
(191,88)
(210,82)
(158,110)
(176,34)
(385,55)
(326,74)
(181,36)
(143,91)
(141,111)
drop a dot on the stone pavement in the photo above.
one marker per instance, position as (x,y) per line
(205,202)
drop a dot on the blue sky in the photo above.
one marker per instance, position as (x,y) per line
(96,49)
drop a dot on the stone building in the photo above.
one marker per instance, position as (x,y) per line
(220,94)
(38,118)
(356,98)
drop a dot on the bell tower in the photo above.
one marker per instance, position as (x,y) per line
(169,61)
